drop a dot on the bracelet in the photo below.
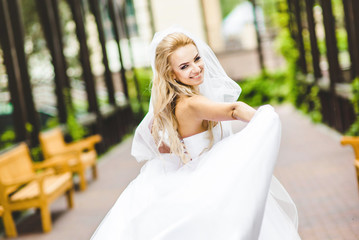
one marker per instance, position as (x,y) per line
(233,115)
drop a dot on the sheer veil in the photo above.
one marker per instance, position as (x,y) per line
(216,86)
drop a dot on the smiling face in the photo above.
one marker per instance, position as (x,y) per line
(187,65)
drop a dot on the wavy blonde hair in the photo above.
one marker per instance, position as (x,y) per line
(168,91)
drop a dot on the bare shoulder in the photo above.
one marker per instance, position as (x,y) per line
(189,103)
(182,104)
(187,106)
(188,121)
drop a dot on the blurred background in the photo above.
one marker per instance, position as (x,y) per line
(84,65)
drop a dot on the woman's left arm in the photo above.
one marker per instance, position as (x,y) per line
(204,109)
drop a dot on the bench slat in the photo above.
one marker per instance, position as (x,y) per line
(31,190)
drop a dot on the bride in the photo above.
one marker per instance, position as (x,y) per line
(201,181)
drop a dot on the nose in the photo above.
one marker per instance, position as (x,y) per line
(196,68)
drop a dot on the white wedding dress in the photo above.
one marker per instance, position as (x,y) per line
(226,192)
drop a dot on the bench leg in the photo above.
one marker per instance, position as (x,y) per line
(82,175)
(70,198)
(357,173)
(9,224)
(94,171)
(46,218)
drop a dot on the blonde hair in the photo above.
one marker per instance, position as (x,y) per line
(168,90)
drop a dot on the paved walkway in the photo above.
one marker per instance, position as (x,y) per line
(319,175)
(317,172)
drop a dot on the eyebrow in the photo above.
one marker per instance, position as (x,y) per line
(187,62)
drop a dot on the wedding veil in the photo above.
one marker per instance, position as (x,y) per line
(216,86)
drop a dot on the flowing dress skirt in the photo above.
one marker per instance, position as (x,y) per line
(225,193)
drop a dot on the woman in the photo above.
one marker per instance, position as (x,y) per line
(200,181)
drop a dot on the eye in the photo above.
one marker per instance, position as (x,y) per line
(184,67)
(197,58)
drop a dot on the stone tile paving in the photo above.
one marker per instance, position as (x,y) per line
(314,168)
(319,175)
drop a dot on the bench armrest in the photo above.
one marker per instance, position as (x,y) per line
(84,144)
(349,140)
(27,179)
(59,160)
(354,142)
(19,181)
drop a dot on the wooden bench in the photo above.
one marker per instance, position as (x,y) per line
(24,185)
(84,153)
(354,142)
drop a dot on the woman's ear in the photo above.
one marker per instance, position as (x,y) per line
(173,75)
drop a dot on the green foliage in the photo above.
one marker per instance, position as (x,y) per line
(144,76)
(287,85)
(302,94)
(52,122)
(322,47)
(35,151)
(36,154)
(342,42)
(280,86)
(28,127)
(308,101)
(315,113)
(354,128)
(228,5)
(75,129)
(7,138)
(338,12)
(286,46)
(342,39)
(272,88)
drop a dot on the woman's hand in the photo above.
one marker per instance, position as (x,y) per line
(164,148)
(243,112)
